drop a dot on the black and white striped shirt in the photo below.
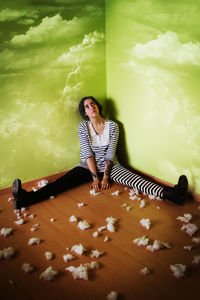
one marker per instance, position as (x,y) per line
(101,154)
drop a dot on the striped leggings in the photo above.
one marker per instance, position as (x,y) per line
(126,177)
(80,175)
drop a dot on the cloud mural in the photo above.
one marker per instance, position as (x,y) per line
(46,66)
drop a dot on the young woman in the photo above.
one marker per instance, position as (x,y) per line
(99,164)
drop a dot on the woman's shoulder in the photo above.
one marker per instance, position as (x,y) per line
(112,123)
(83,124)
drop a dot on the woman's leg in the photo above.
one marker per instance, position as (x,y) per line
(176,194)
(126,177)
(71,179)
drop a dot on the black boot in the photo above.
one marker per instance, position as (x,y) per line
(22,198)
(177,194)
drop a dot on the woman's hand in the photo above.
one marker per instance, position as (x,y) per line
(105,184)
(96,184)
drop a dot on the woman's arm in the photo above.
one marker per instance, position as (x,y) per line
(92,167)
(105,183)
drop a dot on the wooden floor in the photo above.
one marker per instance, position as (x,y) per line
(122,261)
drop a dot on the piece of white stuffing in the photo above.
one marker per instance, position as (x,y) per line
(49,274)
(178,270)
(111,220)
(95,234)
(128,208)
(34,241)
(196,240)
(81,204)
(67,257)
(19,222)
(6,253)
(188,248)
(94,193)
(49,255)
(142,204)
(92,266)
(152,197)
(133,197)
(116,193)
(157,245)
(196,259)
(101,228)
(83,225)
(10,199)
(189,228)
(106,239)
(33,229)
(96,253)
(31,216)
(27,268)
(113,295)
(123,205)
(34,189)
(42,183)
(52,220)
(146,223)
(52,197)
(73,219)
(79,249)
(80,272)
(142,241)
(110,227)
(186,218)
(23,209)
(6,231)
(145,271)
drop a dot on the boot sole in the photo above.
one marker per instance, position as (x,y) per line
(15,191)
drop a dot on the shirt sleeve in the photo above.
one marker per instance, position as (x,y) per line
(113,140)
(86,150)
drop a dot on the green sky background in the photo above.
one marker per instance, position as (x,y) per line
(153,64)
(52,53)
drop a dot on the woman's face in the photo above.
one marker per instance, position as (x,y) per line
(91,109)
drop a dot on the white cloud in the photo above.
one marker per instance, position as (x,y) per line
(168,49)
(50,29)
(14,14)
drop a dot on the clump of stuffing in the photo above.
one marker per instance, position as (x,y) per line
(133,191)
(142,241)
(189,228)
(23,209)
(83,225)
(111,221)
(19,222)
(49,255)
(133,197)
(27,268)
(101,228)
(73,219)
(152,197)
(34,189)
(6,231)
(113,295)
(145,223)
(157,245)
(93,265)
(52,220)
(67,257)
(33,229)
(145,271)
(116,193)
(6,253)
(10,199)
(95,234)
(49,274)
(94,193)
(42,183)
(128,208)
(34,241)
(158,207)
(96,253)
(178,270)
(196,259)
(106,239)
(123,205)
(31,216)
(80,272)
(52,197)
(79,249)
(185,219)
(142,204)
(81,204)
(188,248)
(196,240)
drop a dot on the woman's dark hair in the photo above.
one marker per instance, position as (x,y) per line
(82,108)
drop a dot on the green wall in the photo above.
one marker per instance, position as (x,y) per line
(153,72)
(52,53)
